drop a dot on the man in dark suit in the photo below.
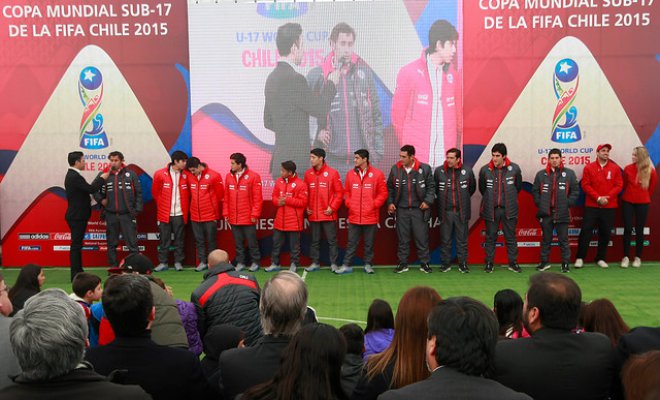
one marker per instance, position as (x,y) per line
(282,307)
(133,358)
(79,209)
(555,363)
(290,101)
(459,352)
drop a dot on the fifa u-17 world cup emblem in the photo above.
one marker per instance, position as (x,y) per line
(565,128)
(90,90)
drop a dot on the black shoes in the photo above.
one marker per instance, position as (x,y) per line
(564,268)
(542,266)
(401,268)
(424,267)
(515,268)
(488,268)
(445,268)
(463,268)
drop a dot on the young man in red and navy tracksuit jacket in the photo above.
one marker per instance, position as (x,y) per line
(601,182)
(290,198)
(206,195)
(325,197)
(171,193)
(366,192)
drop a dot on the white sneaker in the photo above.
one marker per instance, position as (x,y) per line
(602,264)
(202,267)
(625,262)
(161,267)
(178,266)
(239,267)
(637,262)
(254,267)
(578,263)
(334,268)
(293,267)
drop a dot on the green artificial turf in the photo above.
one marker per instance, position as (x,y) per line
(339,299)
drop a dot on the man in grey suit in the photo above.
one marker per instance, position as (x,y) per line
(290,101)
(459,352)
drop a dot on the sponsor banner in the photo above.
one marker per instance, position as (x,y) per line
(29,248)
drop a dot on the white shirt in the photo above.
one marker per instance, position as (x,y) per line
(437,139)
(175,205)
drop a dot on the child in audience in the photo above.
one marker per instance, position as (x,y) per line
(86,290)
(380,328)
(351,368)
(602,316)
(508,307)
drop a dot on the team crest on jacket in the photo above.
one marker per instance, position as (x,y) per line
(563,174)
(246,177)
(325,173)
(419,170)
(450,78)
(128,175)
(293,185)
(371,174)
(207,176)
(510,168)
(463,172)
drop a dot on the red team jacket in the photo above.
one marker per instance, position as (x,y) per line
(161,190)
(206,195)
(325,190)
(601,181)
(365,196)
(243,199)
(290,216)
(632,190)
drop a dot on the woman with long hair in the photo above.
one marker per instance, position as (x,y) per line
(508,307)
(28,283)
(309,368)
(404,361)
(602,316)
(380,328)
(639,182)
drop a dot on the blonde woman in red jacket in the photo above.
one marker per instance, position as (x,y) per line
(290,198)
(639,182)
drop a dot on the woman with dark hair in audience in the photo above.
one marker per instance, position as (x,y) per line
(380,328)
(602,316)
(28,283)
(508,307)
(309,368)
(404,362)
(641,376)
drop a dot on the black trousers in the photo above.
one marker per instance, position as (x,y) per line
(410,222)
(125,224)
(638,212)
(175,226)
(452,225)
(547,227)
(206,234)
(78,228)
(603,218)
(241,234)
(509,227)
(354,233)
(329,228)
(294,244)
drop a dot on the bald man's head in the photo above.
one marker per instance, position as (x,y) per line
(218,256)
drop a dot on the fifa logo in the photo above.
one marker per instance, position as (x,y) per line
(565,128)
(90,90)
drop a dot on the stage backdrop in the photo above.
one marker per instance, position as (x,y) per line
(90,76)
(515,60)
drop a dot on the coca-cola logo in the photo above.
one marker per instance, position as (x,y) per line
(60,236)
(528,232)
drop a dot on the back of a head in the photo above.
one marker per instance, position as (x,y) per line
(379,316)
(354,337)
(218,256)
(287,35)
(557,298)
(283,304)
(49,335)
(466,335)
(310,367)
(640,376)
(27,280)
(83,282)
(409,342)
(508,306)
(127,303)
(602,316)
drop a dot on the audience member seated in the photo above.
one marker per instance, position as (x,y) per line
(227,297)
(49,337)
(403,362)
(508,306)
(188,316)
(218,339)
(351,368)
(601,316)
(641,376)
(167,328)
(282,309)
(639,340)
(164,372)
(555,363)
(309,368)
(9,365)
(460,349)
(380,328)
(28,283)
(86,290)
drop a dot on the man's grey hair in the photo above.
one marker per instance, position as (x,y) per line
(283,304)
(49,335)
